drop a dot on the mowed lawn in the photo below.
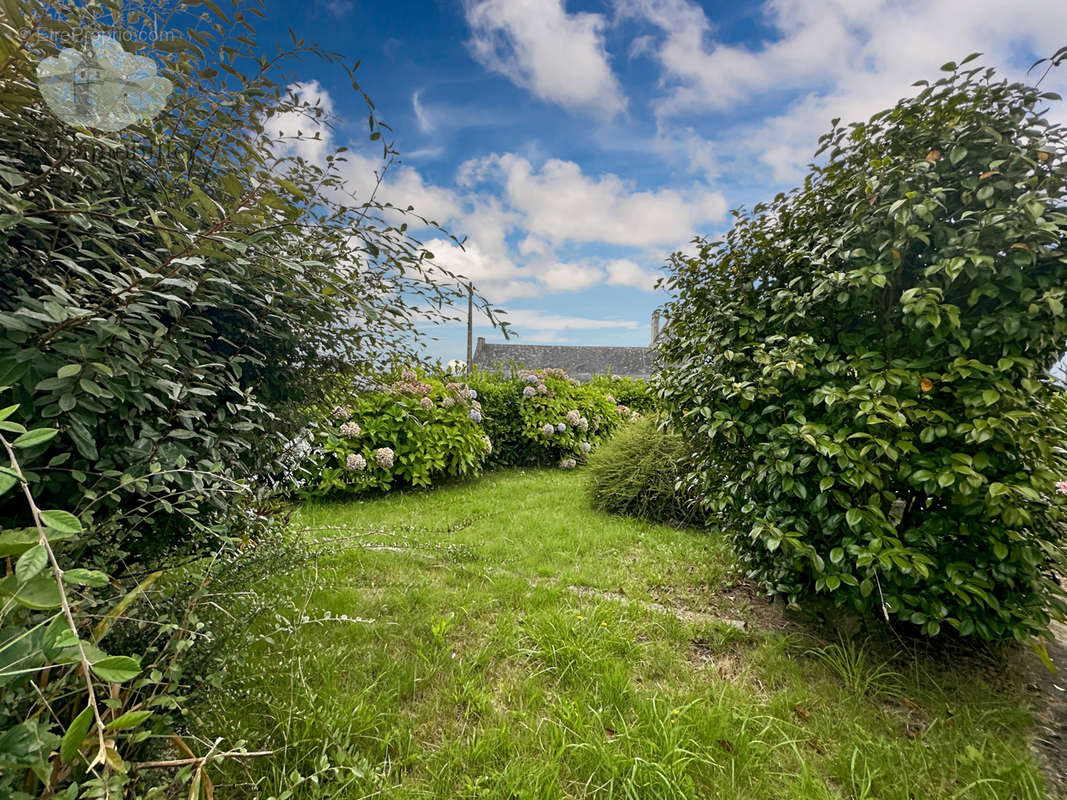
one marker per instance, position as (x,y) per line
(499,639)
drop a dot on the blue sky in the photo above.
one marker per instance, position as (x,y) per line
(576,144)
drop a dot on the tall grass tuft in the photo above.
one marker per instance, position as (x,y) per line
(637,472)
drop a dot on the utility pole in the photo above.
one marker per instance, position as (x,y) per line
(470,326)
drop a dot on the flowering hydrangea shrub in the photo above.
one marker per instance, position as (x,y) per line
(384,457)
(413,431)
(632,392)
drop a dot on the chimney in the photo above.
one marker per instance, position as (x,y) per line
(655,328)
(481,344)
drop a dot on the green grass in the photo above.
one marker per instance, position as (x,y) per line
(439,649)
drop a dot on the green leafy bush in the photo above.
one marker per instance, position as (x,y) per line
(543,417)
(173,296)
(415,431)
(638,473)
(501,399)
(863,365)
(634,393)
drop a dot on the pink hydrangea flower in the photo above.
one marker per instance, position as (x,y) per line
(1061,487)
(528,391)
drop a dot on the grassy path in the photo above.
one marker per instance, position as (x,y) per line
(500,640)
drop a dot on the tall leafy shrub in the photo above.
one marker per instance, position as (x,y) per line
(174,293)
(864,363)
(172,297)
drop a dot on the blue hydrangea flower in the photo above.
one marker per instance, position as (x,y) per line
(531,378)
(476,415)
(561,427)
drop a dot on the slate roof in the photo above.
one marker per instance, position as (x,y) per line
(579,362)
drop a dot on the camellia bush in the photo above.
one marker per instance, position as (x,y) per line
(415,431)
(863,364)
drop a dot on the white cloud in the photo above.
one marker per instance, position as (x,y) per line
(828,58)
(422,116)
(558,203)
(623,272)
(559,57)
(562,277)
(497,278)
(525,319)
(303,133)
(551,210)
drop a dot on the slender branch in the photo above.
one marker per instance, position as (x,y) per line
(200,760)
(57,573)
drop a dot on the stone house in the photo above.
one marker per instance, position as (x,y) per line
(579,361)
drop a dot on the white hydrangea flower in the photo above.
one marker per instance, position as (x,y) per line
(568,463)
(488,444)
(561,427)
(548,429)
(351,430)
(384,457)
(574,416)
(426,403)
(448,402)
(356,462)
(585,447)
